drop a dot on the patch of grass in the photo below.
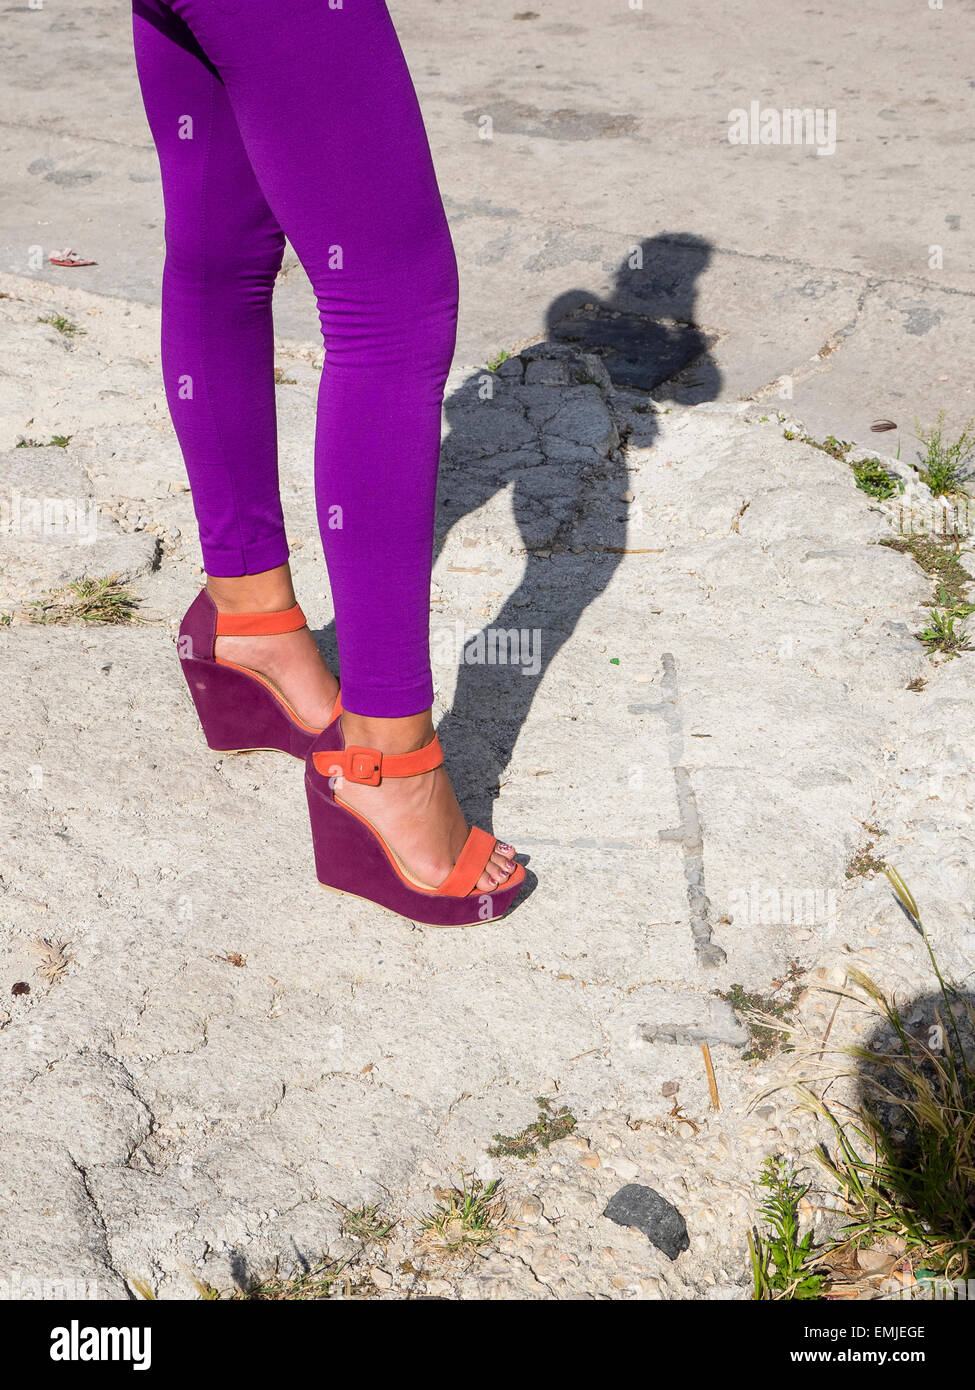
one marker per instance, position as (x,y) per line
(864,861)
(917,684)
(281,380)
(911,1178)
(62,324)
(59,441)
(6,619)
(366,1223)
(300,1286)
(943,460)
(496,361)
(465,1217)
(944,632)
(761,1013)
(550,1126)
(872,478)
(836,448)
(938,558)
(782,1264)
(87,601)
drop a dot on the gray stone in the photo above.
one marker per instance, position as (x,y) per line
(658,1219)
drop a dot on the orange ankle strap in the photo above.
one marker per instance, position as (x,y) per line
(259,624)
(369,766)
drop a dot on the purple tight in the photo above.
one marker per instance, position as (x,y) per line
(299,118)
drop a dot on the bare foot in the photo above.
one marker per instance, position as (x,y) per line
(418,817)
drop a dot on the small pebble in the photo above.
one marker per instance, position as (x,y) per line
(529,1213)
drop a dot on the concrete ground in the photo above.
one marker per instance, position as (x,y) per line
(720,719)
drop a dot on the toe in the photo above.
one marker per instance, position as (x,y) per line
(492,876)
(503,857)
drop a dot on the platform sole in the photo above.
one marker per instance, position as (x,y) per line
(444,926)
(239,714)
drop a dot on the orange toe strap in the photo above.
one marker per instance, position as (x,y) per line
(260,624)
(470,864)
(369,766)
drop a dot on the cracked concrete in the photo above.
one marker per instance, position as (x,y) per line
(223,1060)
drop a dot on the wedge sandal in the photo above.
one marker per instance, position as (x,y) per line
(352,857)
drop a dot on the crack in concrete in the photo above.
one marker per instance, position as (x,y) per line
(831,344)
(689,834)
(75,137)
(107,1257)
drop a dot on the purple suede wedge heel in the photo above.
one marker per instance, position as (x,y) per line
(238,710)
(351,856)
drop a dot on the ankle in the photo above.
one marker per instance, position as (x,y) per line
(269,592)
(388,735)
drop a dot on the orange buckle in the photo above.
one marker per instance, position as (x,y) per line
(365,765)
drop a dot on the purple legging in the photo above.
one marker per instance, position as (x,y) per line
(299,118)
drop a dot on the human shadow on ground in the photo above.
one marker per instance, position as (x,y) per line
(565,496)
(571,518)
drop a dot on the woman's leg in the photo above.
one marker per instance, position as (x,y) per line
(223,251)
